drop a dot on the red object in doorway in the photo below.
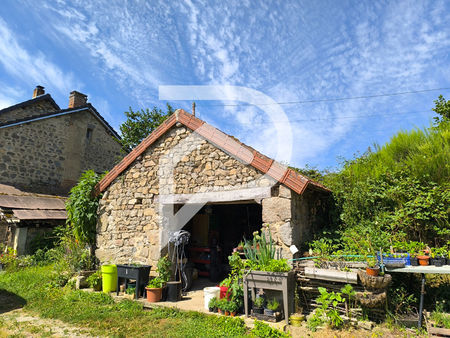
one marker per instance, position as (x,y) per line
(223,292)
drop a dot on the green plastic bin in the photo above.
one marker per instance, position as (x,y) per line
(109,278)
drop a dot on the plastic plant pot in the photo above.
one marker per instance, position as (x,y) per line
(258,310)
(269,312)
(424,260)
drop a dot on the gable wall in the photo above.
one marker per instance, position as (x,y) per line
(128,227)
(48,156)
(30,110)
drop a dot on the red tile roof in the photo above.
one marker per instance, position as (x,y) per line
(279,172)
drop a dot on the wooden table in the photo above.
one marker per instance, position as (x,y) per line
(422,269)
(280,281)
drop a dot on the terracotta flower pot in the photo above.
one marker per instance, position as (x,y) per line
(232,314)
(373,271)
(154,294)
(423,260)
(227,313)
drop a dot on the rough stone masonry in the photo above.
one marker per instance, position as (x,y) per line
(181,162)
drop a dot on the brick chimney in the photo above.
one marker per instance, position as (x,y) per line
(77,99)
(38,91)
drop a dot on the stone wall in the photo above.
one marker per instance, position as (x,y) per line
(293,219)
(34,109)
(32,154)
(181,162)
(48,156)
(129,211)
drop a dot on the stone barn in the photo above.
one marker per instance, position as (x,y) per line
(189,175)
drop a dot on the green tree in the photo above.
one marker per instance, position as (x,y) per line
(442,108)
(140,124)
(82,208)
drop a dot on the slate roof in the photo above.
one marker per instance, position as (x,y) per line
(20,205)
(45,97)
(86,107)
(284,175)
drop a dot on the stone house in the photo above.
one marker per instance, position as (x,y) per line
(44,148)
(189,175)
(43,151)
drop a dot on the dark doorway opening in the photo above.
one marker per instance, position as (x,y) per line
(216,230)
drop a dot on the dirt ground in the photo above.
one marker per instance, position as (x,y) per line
(17,322)
(378,331)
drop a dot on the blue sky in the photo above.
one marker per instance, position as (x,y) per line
(119,52)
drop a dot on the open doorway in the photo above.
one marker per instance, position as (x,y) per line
(215,231)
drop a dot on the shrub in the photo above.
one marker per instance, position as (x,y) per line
(95,280)
(264,330)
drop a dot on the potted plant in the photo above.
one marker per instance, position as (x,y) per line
(171,290)
(95,280)
(271,307)
(265,268)
(413,257)
(212,304)
(296,319)
(258,305)
(221,305)
(154,290)
(424,259)
(130,292)
(372,268)
(226,307)
(438,257)
(233,308)
(240,247)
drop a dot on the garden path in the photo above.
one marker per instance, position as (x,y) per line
(15,321)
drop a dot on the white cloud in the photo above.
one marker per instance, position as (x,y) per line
(31,67)
(291,51)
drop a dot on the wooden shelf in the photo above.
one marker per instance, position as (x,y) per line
(201,261)
(199,249)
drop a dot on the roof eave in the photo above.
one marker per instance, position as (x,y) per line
(284,175)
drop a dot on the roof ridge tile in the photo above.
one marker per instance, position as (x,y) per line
(266,165)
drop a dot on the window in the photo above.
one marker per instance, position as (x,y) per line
(89,134)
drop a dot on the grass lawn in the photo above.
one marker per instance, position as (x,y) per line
(31,288)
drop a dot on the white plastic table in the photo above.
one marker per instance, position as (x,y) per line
(422,269)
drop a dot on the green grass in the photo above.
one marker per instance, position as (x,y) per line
(441,319)
(102,316)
